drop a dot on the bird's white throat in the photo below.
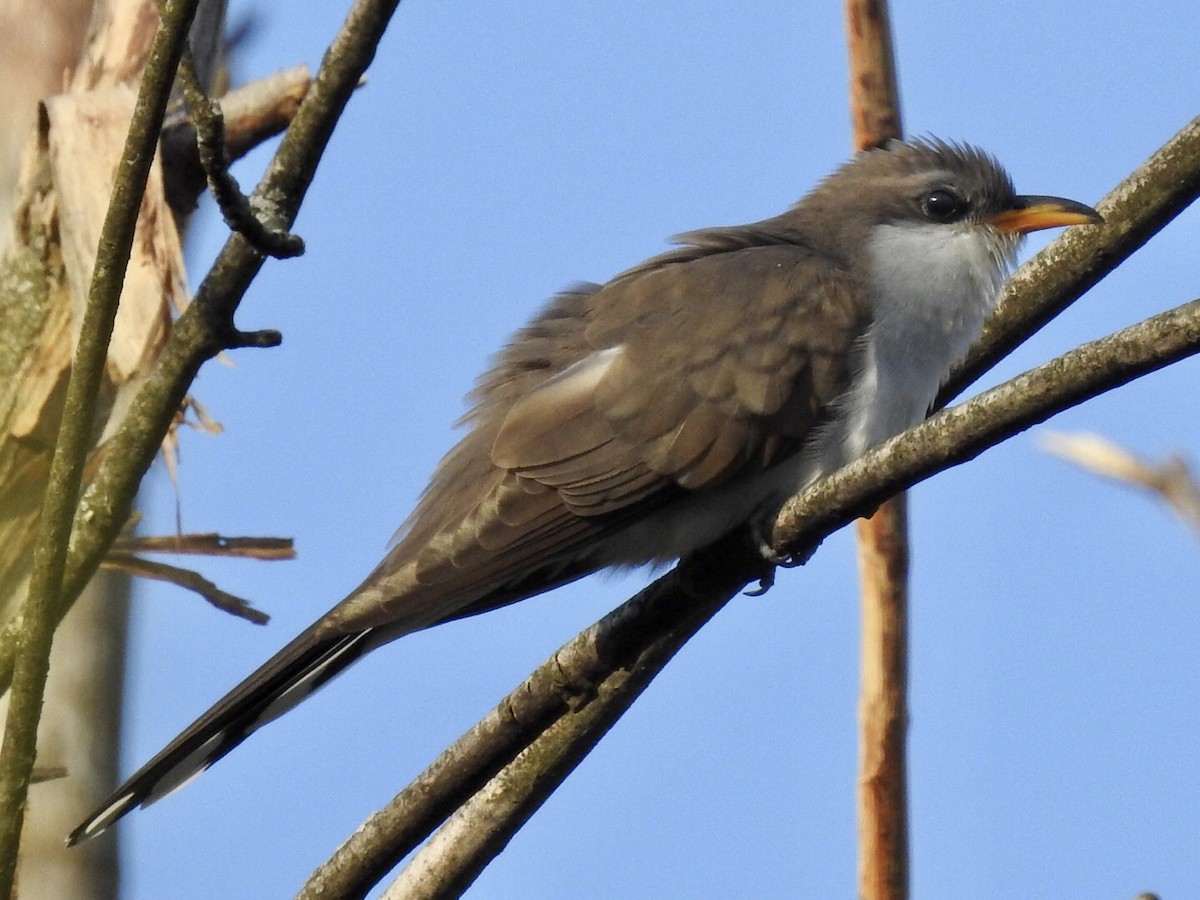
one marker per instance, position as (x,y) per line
(933,288)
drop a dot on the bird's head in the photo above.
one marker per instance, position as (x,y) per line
(933,188)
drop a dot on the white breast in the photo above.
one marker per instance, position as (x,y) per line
(935,285)
(939,283)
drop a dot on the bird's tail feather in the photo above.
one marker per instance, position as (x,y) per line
(286,679)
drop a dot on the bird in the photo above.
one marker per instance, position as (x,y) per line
(636,421)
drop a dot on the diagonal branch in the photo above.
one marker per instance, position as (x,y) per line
(189,579)
(211,144)
(1171,480)
(558,713)
(961,433)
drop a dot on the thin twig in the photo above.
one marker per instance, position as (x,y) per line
(188,579)
(252,113)
(39,617)
(208,544)
(42,774)
(205,113)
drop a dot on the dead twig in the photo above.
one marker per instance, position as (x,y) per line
(208,544)
(235,206)
(253,113)
(1171,480)
(185,578)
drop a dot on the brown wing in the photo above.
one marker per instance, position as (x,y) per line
(700,371)
(679,375)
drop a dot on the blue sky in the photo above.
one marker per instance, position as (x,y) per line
(500,151)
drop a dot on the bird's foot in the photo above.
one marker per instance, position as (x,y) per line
(760,532)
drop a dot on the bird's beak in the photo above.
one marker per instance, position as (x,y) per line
(1033,213)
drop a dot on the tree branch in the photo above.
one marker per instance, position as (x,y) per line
(252,112)
(236,209)
(207,544)
(961,433)
(206,326)
(38,618)
(883,556)
(1171,480)
(188,579)
(556,715)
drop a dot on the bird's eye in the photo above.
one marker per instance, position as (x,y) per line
(943,205)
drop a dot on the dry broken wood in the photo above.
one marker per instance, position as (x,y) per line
(55,192)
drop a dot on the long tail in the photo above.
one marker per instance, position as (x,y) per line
(285,680)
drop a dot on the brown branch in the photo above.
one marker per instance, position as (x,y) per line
(42,774)
(883,561)
(253,113)
(121,557)
(185,578)
(883,556)
(874,90)
(208,544)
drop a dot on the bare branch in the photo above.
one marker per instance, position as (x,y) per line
(883,556)
(557,713)
(43,774)
(1170,480)
(961,433)
(206,115)
(253,113)
(883,561)
(186,578)
(208,544)
(874,90)
(1134,211)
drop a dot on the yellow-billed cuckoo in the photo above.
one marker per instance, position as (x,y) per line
(635,421)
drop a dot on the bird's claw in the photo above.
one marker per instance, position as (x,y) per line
(760,530)
(765,582)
